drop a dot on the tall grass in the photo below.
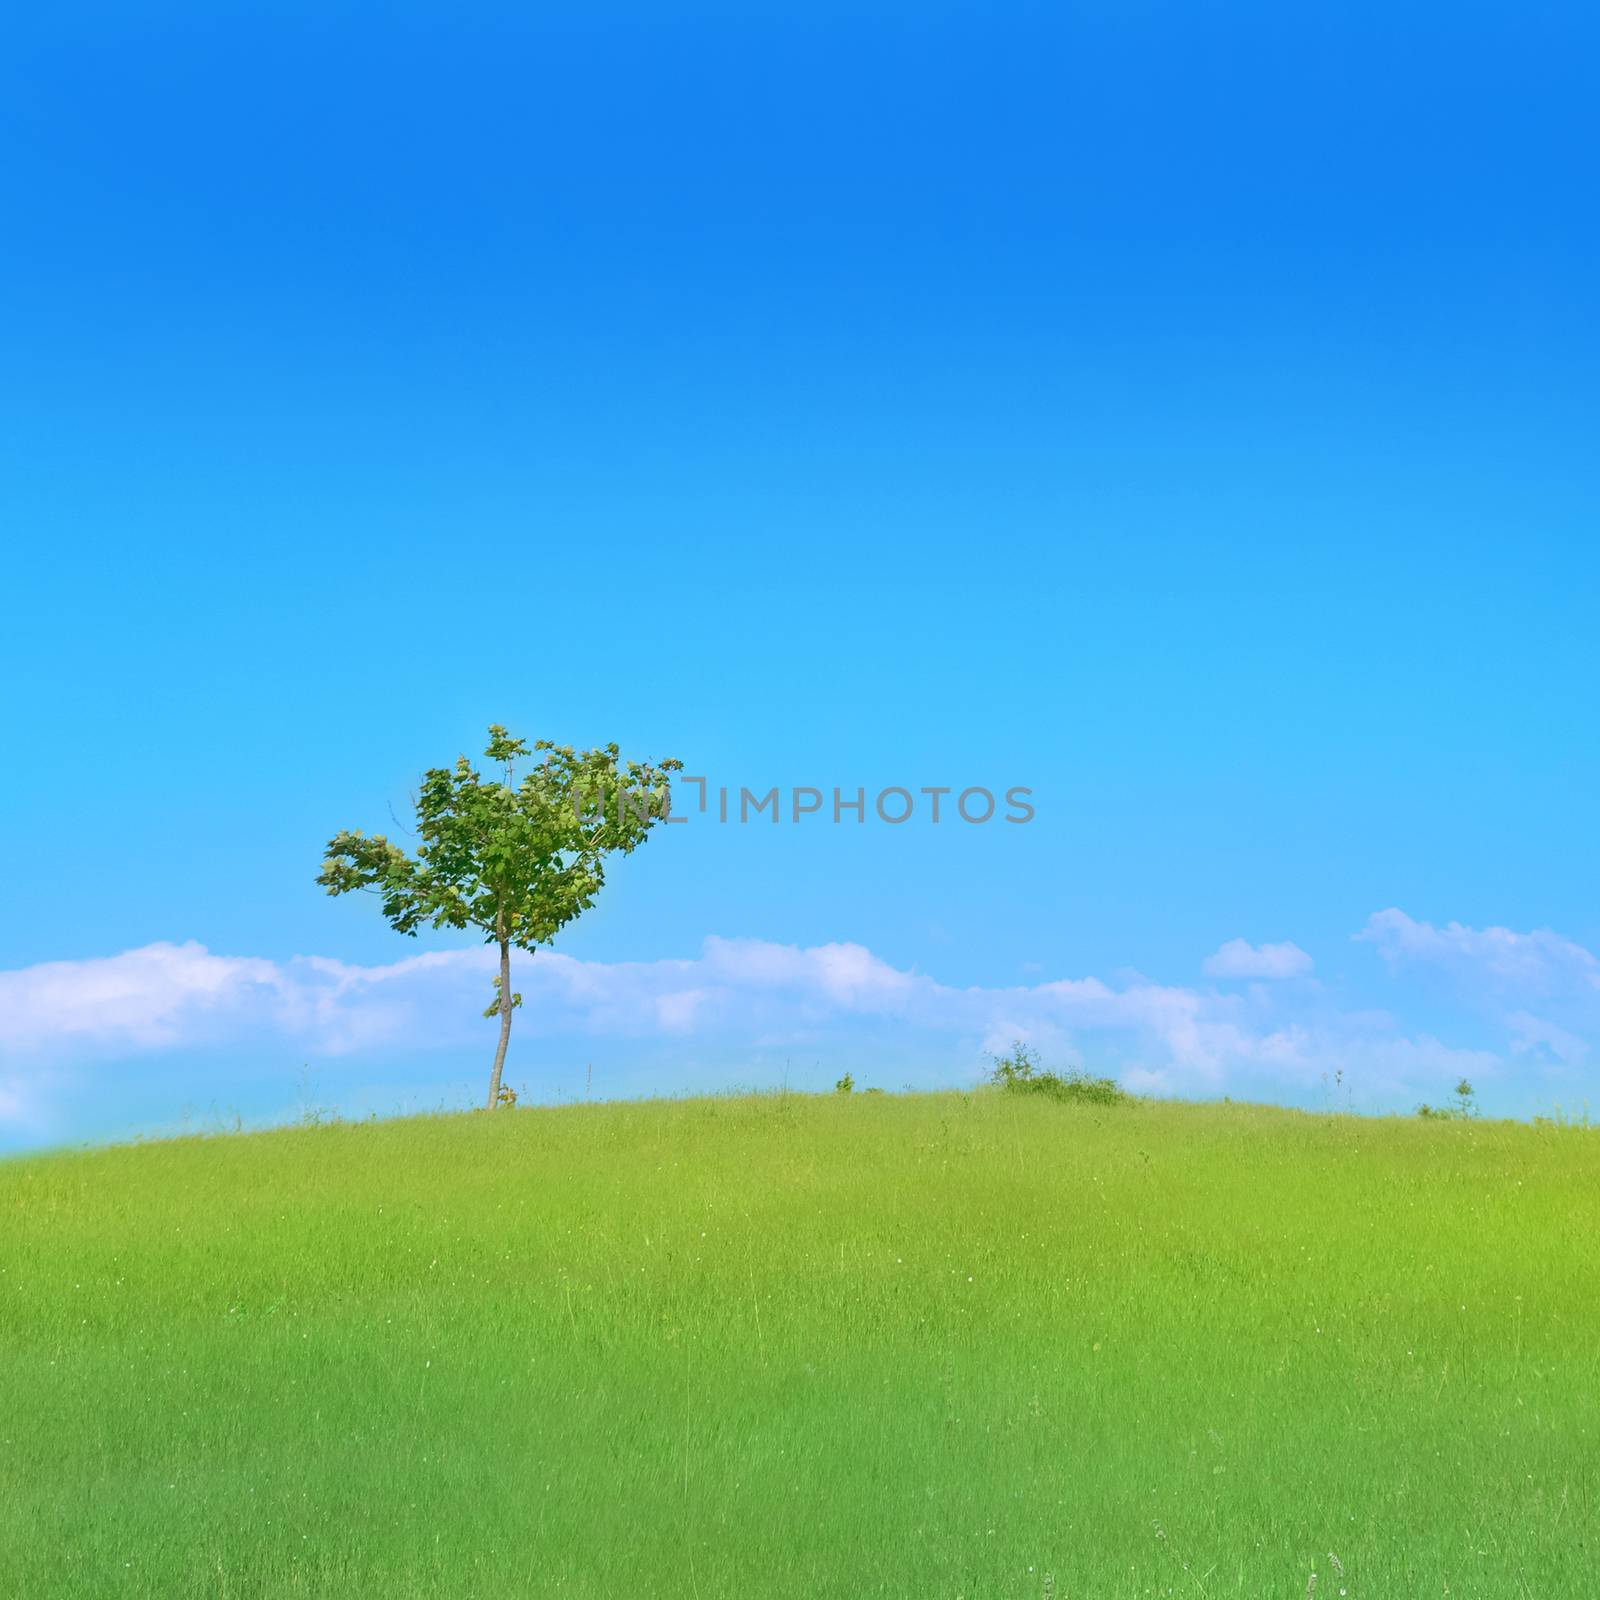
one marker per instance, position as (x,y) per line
(944,1345)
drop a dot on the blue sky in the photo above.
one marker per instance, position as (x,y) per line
(1186,413)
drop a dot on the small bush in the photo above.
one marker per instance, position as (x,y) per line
(1463,1106)
(845,1085)
(1020,1072)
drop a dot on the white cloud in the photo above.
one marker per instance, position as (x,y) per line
(1540,989)
(1540,962)
(1240,959)
(162,994)
(1531,1035)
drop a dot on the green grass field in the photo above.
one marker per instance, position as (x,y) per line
(939,1345)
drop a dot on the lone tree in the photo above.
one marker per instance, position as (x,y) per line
(516,861)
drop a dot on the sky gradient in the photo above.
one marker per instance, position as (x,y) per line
(1185,414)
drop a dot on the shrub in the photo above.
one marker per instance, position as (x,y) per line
(1019,1072)
(1464,1105)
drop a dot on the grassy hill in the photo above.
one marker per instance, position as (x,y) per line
(942,1345)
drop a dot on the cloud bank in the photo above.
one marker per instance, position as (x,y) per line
(1527,1002)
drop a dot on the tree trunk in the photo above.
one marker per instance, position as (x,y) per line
(505,1019)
